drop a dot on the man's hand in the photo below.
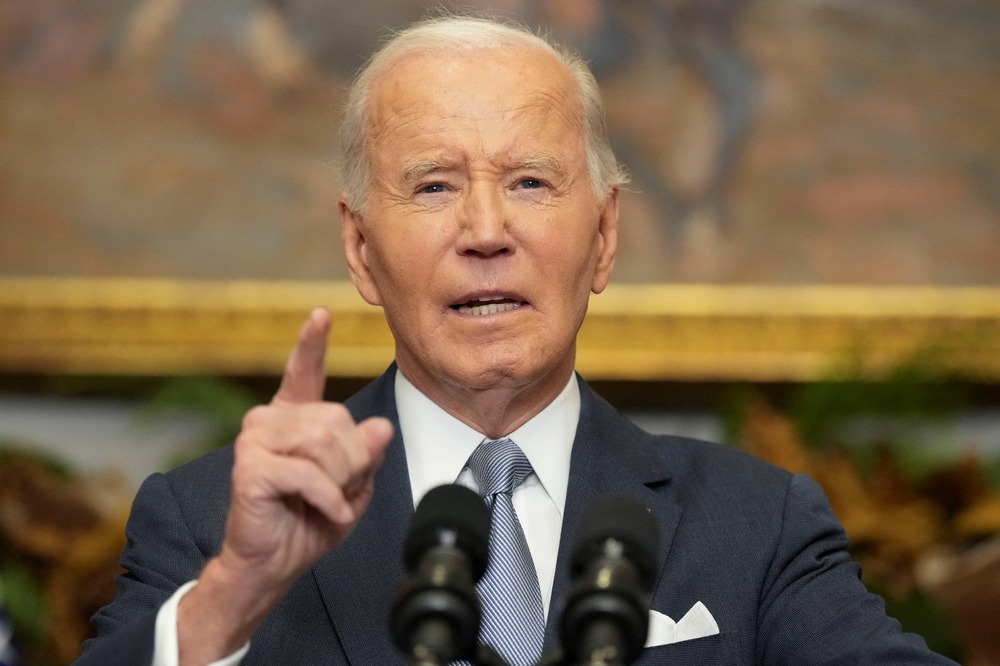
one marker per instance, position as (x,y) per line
(303,471)
(302,477)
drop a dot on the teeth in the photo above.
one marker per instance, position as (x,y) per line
(490,308)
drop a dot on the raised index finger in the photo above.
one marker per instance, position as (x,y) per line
(305,372)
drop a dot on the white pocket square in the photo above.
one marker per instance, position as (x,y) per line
(696,623)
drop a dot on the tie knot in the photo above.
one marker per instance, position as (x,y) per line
(499,466)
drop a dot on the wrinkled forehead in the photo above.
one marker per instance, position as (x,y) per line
(439,86)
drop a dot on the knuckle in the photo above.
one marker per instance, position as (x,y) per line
(314,435)
(254,417)
(338,415)
(245,463)
(244,442)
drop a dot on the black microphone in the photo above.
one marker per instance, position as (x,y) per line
(435,616)
(614,559)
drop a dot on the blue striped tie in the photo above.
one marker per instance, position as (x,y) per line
(513,622)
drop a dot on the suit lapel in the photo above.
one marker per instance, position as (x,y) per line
(611,456)
(359,578)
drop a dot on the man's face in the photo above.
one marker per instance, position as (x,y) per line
(483,237)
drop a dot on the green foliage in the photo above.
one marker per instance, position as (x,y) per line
(913,395)
(22,587)
(24,600)
(991,472)
(222,404)
(919,614)
(733,412)
(11,451)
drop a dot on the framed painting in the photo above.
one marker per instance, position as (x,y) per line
(812,184)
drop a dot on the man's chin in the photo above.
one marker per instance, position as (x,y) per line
(488,376)
(494,367)
(513,373)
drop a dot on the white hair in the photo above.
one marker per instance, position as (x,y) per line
(456,33)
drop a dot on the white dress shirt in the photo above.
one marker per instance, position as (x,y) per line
(437,447)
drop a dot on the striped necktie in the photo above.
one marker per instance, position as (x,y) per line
(513,622)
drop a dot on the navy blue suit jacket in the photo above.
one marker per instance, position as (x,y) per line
(760,547)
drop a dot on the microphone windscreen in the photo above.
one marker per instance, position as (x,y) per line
(446,512)
(624,521)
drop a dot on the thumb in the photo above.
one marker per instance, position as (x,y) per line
(378,433)
(304,376)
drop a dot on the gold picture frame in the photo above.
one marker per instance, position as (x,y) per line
(648,332)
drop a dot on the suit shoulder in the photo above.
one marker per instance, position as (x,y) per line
(204,470)
(200,489)
(686,453)
(716,475)
(681,458)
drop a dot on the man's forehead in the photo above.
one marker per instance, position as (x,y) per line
(432,77)
(423,97)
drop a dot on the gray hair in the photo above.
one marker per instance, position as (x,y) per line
(455,33)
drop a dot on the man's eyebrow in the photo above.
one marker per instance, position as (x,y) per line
(421,169)
(416,171)
(543,162)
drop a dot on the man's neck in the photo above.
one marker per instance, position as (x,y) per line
(495,411)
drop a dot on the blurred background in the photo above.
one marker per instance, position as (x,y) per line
(809,144)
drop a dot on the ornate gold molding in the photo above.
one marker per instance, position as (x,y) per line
(644,332)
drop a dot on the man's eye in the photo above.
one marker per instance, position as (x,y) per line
(530,183)
(433,188)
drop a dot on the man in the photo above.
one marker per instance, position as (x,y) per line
(481,211)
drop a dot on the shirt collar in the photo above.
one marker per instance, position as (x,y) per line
(438,445)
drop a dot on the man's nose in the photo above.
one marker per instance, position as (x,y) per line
(484,224)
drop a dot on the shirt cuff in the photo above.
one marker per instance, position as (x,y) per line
(165,649)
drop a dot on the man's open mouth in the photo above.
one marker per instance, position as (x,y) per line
(487,305)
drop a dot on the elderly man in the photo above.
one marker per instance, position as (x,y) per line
(480,212)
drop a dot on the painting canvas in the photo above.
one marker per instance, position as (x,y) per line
(830,141)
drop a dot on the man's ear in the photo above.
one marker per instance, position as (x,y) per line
(607,242)
(353,235)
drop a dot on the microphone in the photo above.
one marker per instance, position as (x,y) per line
(607,611)
(435,616)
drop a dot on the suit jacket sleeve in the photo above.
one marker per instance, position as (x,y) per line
(814,608)
(162,553)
